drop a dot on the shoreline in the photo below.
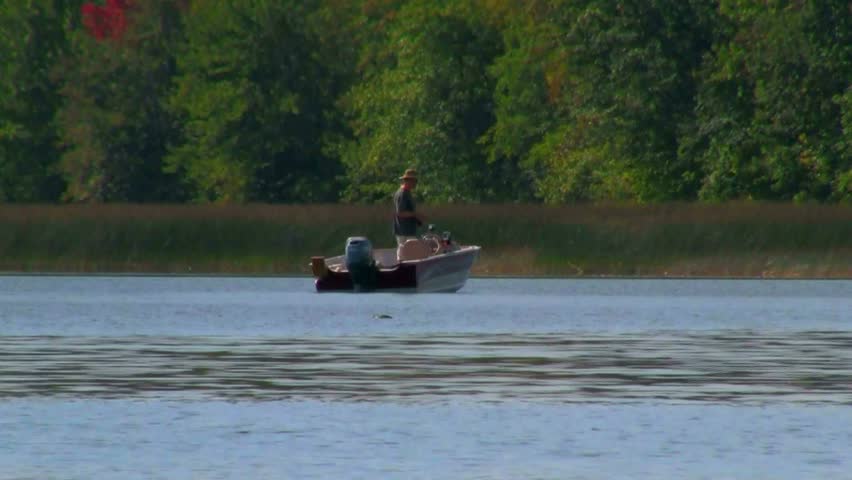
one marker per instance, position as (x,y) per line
(737,240)
(472,277)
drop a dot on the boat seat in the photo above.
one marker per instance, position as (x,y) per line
(413,249)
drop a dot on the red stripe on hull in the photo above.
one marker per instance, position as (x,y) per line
(401,277)
(423,275)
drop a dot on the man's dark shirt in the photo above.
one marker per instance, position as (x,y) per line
(404,202)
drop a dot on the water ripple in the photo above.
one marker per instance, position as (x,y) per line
(730,366)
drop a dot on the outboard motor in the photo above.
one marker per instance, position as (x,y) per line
(361,264)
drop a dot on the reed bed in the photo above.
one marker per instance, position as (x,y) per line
(733,240)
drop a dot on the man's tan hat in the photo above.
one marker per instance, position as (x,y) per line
(410,174)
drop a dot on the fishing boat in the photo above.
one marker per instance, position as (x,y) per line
(429,264)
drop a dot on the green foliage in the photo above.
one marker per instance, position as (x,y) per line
(254,98)
(771,105)
(843,185)
(32,39)
(426,107)
(528,97)
(113,123)
(628,93)
(492,100)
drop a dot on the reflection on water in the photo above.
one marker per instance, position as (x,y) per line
(729,366)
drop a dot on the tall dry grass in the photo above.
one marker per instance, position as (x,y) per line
(736,239)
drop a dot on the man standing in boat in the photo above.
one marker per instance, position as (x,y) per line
(406,220)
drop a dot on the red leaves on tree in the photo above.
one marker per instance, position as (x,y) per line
(108,21)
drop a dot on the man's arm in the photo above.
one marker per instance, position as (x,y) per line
(418,217)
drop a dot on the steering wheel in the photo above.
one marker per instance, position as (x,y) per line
(433,241)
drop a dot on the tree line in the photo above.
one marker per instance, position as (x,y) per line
(550,101)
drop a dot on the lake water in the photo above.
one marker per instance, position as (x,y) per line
(261,378)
